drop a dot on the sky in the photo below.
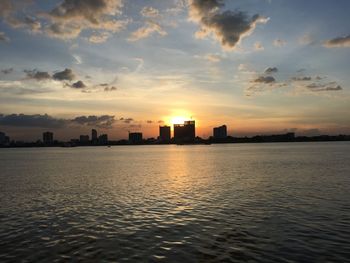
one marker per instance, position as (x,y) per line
(258,66)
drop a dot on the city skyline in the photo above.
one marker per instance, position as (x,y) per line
(128,66)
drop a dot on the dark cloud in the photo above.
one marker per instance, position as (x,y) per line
(66,74)
(70,17)
(271,70)
(12,13)
(6,7)
(127,120)
(229,27)
(78,85)
(3,37)
(107,89)
(104,121)
(7,71)
(331,86)
(265,79)
(149,121)
(160,121)
(35,120)
(304,78)
(37,75)
(338,42)
(46,121)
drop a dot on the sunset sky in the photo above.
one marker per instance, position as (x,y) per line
(258,66)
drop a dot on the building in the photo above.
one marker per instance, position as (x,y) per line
(84,139)
(164,133)
(103,139)
(220,132)
(94,138)
(48,137)
(185,132)
(4,140)
(135,137)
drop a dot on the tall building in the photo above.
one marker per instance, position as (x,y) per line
(185,132)
(48,137)
(164,133)
(220,132)
(94,138)
(84,138)
(135,137)
(103,139)
(4,140)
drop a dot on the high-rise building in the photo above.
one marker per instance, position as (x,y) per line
(164,133)
(84,138)
(185,132)
(103,139)
(4,140)
(135,137)
(94,138)
(220,132)
(48,137)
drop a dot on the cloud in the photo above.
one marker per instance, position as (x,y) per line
(9,13)
(99,37)
(279,42)
(338,42)
(104,121)
(7,71)
(227,27)
(70,17)
(78,85)
(149,12)
(271,70)
(146,30)
(3,37)
(27,22)
(126,120)
(331,86)
(304,78)
(149,122)
(37,75)
(265,79)
(66,74)
(306,40)
(107,89)
(35,120)
(47,121)
(258,46)
(215,58)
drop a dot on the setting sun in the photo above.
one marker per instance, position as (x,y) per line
(178,120)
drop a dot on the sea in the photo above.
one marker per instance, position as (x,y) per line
(271,202)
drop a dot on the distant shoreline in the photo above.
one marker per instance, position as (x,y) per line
(198,141)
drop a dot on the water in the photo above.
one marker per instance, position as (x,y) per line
(214,203)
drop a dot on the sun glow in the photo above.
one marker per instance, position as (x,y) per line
(178,120)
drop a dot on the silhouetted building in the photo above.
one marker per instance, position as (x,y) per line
(84,138)
(220,132)
(164,133)
(4,140)
(48,137)
(94,138)
(185,132)
(135,137)
(103,139)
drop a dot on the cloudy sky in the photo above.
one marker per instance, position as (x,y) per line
(258,66)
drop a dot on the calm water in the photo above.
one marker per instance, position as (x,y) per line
(214,203)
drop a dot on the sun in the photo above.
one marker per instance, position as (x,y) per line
(178,120)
